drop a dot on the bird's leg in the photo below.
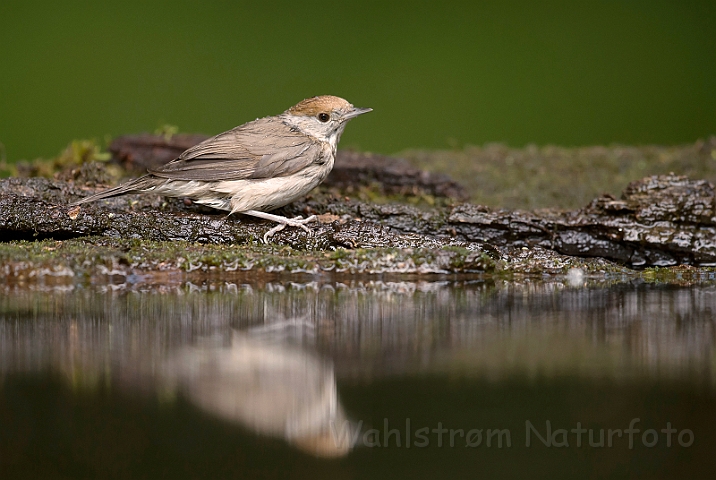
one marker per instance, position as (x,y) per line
(282,222)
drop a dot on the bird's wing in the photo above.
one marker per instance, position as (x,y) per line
(260,149)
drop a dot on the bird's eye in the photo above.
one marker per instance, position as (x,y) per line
(323,117)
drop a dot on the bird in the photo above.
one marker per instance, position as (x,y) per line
(256,167)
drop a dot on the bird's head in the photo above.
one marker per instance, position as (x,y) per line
(322,117)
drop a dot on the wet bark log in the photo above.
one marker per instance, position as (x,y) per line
(659,221)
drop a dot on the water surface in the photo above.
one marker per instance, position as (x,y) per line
(342,378)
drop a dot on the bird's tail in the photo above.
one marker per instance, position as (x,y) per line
(141,184)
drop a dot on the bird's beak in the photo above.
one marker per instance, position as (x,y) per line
(355,111)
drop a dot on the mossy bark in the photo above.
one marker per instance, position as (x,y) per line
(658,221)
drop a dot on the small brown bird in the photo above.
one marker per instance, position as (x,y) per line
(256,167)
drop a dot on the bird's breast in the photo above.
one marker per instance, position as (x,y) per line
(270,193)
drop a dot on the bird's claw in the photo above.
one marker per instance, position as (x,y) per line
(291,222)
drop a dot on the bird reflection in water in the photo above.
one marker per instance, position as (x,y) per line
(274,389)
(267,379)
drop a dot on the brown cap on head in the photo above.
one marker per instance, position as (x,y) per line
(315,105)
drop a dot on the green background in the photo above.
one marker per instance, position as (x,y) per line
(438,75)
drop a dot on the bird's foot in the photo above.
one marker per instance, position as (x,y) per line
(299,222)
